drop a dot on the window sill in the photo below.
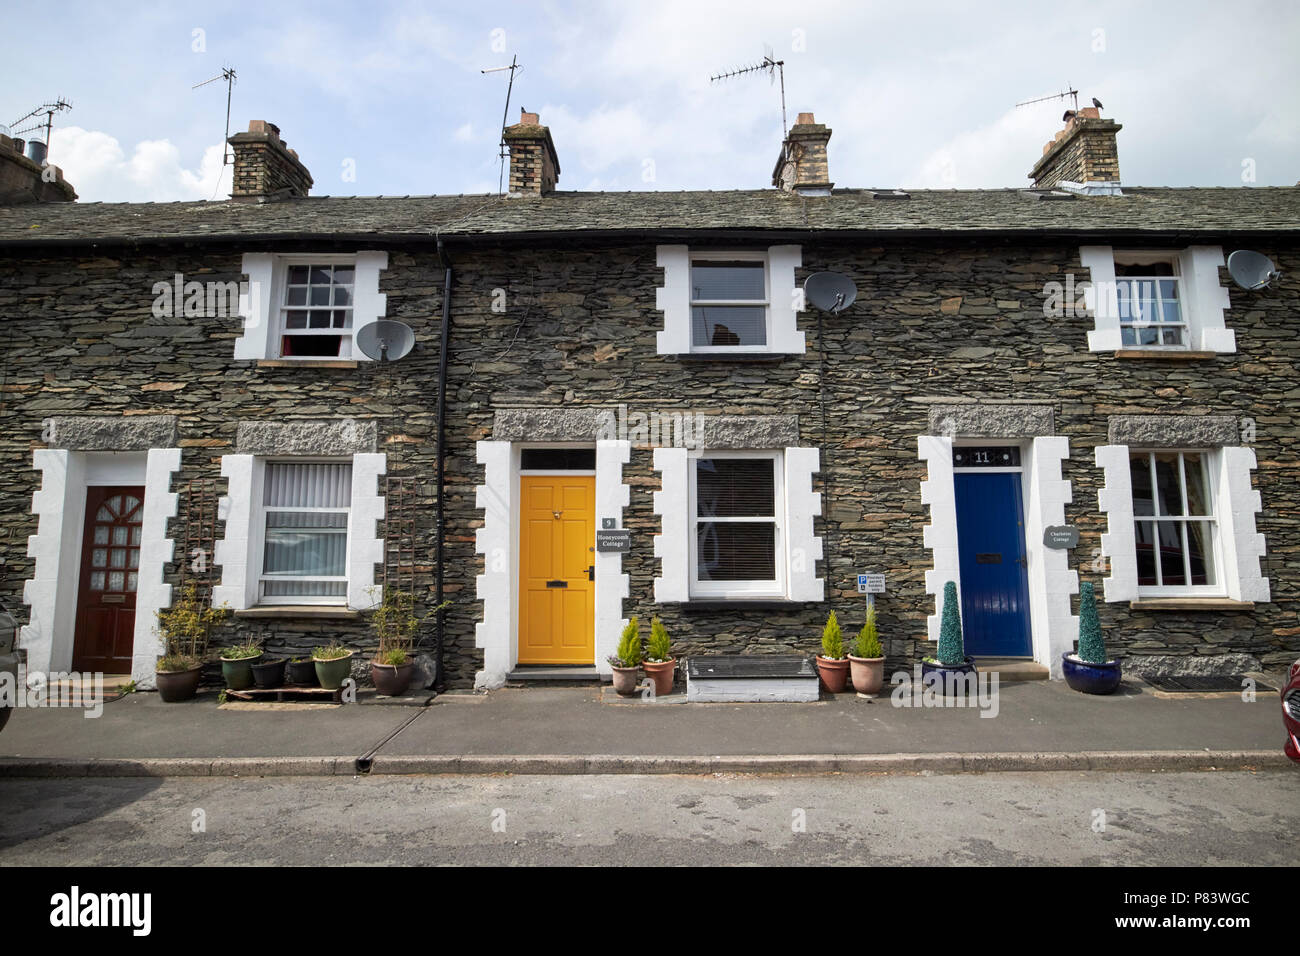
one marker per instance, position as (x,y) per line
(310,363)
(1190,604)
(757,358)
(735,604)
(318,611)
(1165,355)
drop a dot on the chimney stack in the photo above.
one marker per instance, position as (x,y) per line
(534,167)
(1082,157)
(265,166)
(802,165)
(24,179)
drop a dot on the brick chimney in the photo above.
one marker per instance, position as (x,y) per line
(802,165)
(265,166)
(24,180)
(534,167)
(1082,157)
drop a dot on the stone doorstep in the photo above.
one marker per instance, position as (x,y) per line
(1013,670)
(556,673)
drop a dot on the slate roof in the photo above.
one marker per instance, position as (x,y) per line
(1140,211)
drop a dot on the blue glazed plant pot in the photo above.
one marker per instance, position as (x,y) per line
(951,678)
(1090,678)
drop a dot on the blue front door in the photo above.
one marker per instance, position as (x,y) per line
(994,582)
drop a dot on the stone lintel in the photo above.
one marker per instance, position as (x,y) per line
(992,421)
(344,436)
(1174,431)
(113,432)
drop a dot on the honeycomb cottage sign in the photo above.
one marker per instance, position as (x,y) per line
(613,539)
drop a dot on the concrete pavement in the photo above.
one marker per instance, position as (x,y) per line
(588,729)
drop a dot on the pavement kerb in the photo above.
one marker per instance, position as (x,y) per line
(524,764)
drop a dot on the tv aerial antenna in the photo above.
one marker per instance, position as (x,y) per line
(1069,91)
(773,69)
(49,109)
(514,67)
(228,74)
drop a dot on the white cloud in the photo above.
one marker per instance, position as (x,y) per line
(98,168)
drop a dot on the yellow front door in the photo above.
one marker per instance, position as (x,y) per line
(557,537)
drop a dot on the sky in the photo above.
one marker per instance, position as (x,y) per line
(388,98)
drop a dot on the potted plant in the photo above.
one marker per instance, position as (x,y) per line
(301,671)
(867,663)
(333,665)
(268,673)
(184,629)
(659,664)
(627,662)
(237,664)
(951,662)
(1088,670)
(394,623)
(833,662)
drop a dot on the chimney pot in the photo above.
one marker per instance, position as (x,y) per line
(805,119)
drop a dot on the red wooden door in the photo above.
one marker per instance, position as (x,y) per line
(110,563)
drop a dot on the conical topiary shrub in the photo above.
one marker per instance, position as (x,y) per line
(951,650)
(1092,648)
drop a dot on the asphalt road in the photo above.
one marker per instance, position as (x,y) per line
(1204,818)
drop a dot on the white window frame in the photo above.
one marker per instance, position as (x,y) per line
(1171,259)
(766,302)
(739,589)
(784,300)
(1210,470)
(280,307)
(261,304)
(1202,300)
(258,558)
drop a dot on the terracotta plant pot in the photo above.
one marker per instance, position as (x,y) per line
(662,674)
(834,674)
(868,674)
(302,673)
(238,671)
(175,686)
(392,680)
(332,674)
(625,680)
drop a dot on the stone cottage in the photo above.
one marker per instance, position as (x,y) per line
(1068,354)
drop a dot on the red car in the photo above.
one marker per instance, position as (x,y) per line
(1291,712)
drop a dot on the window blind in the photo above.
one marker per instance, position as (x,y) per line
(735,520)
(306,507)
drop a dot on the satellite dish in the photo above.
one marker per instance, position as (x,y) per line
(830,291)
(1252,270)
(385,340)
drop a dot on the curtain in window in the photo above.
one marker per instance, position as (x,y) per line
(306,508)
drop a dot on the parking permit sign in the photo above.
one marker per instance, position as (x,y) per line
(871,584)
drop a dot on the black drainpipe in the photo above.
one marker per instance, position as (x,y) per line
(440,680)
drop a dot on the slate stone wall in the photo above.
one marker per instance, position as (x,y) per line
(934,327)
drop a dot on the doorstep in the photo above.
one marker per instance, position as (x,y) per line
(1012,670)
(543,672)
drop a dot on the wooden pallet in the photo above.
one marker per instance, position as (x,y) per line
(288,694)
